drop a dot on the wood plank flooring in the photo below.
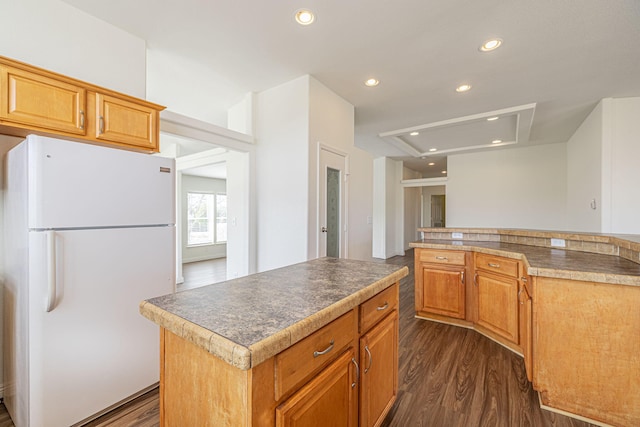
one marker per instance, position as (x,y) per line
(449,376)
(201,273)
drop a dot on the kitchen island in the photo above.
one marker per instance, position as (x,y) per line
(568,302)
(315,339)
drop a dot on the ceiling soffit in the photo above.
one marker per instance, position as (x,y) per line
(461,134)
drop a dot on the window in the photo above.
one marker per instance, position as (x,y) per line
(207,218)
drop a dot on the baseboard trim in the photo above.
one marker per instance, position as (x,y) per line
(571,415)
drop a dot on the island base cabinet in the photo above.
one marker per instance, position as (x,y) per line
(379,371)
(330,399)
(586,349)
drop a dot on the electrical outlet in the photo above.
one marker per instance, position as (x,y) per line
(559,243)
(456,235)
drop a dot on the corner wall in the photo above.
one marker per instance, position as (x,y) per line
(282,174)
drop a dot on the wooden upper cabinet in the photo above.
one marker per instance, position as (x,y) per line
(122,121)
(38,101)
(29,99)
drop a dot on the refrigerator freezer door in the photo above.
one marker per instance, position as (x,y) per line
(77,185)
(94,348)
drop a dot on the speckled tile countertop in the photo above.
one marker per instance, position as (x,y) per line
(247,320)
(551,262)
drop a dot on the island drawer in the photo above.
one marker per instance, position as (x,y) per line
(298,362)
(442,256)
(496,264)
(376,308)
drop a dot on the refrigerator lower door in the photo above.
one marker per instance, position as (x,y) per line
(94,349)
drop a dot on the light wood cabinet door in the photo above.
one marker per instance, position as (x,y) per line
(526,324)
(30,99)
(587,347)
(441,290)
(329,399)
(498,309)
(125,122)
(379,371)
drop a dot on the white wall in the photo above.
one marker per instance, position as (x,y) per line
(282,174)
(622,141)
(240,249)
(584,171)
(509,188)
(197,184)
(388,206)
(58,37)
(187,87)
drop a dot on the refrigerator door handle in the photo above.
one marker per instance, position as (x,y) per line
(51,269)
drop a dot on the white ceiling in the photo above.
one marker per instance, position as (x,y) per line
(561,55)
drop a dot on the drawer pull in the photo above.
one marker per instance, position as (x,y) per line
(325,351)
(492,265)
(353,384)
(366,348)
(383,307)
(442,258)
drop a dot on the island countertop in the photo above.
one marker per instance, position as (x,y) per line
(247,320)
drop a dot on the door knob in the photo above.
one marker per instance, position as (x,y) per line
(324,229)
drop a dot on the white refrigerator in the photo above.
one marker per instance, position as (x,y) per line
(89,233)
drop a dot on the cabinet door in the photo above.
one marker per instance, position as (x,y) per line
(34,100)
(126,122)
(526,325)
(441,291)
(329,399)
(498,305)
(379,365)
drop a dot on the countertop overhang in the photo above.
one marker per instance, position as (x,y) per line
(247,320)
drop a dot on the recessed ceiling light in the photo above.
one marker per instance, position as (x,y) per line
(414,133)
(490,119)
(490,45)
(444,171)
(433,149)
(496,141)
(305,17)
(463,88)
(372,82)
(431,164)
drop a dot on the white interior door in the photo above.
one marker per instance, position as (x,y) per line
(332,205)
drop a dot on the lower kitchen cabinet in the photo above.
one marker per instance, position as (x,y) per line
(329,399)
(498,305)
(379,371)
(345,375)
(440,283)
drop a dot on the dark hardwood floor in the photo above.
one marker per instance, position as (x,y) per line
(448,376)
(201,273)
